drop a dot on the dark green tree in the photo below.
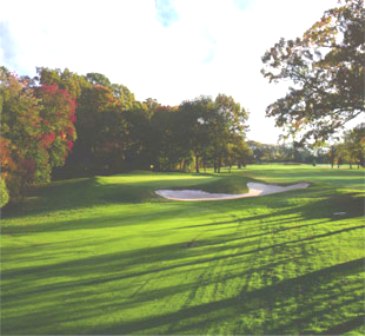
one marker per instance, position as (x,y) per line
(100,128)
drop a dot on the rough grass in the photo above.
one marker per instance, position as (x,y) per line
(106,256)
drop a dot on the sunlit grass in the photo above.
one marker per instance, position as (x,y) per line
(105,255)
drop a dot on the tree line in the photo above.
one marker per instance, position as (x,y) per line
(348,149)
(62,124)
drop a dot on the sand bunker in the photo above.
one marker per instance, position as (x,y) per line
(255,190)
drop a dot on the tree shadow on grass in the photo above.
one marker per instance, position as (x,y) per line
(26,284)
(326,207)
(246,302)
(346,326)
(94,221)
(120,266)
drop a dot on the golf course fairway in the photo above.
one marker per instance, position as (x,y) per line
(106,255)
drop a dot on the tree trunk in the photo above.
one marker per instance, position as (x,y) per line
(219,165)
(333,153)
(197,164)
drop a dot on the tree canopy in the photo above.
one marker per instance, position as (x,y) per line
(326,70)
(60,123)
(37,131)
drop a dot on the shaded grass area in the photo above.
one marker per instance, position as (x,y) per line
(228,184)
(106,256)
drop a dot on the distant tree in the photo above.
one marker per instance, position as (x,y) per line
(239,153)
(284,152)
(257,149)
(211,127)
(152,105)
(228,128)
(48,76)
(164,144)
(341,153)
(358,138)
(98,79)
(195,118)
(353,146)
(326,67)
(139,138)
(125,96)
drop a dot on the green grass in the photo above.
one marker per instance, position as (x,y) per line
(104,255)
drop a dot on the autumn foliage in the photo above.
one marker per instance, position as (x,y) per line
(37,132)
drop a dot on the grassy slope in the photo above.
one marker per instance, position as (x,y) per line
(105,256)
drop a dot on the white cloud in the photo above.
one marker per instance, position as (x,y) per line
(206,47)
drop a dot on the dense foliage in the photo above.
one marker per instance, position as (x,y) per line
(37,131)
(63,124)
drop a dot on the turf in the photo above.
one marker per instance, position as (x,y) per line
(105,255)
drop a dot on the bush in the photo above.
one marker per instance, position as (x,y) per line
(4,195)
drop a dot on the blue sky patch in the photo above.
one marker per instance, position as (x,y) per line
(166,12)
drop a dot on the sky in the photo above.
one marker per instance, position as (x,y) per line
(169,50)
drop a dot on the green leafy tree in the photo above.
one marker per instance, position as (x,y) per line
(4,194)
(238,153)
(101,130)
(98,79)
(326,68)
(125,96)
(139,138)
(65,79)
(197,120)
(353,146)
(163,144)
(228,128)
(358,138)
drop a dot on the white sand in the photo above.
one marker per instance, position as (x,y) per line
(255,190)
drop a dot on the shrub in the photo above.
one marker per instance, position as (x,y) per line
(4,195)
